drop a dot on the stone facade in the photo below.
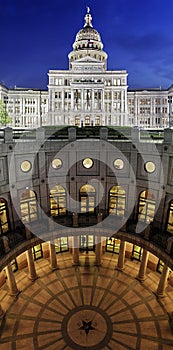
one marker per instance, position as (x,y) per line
(88,93)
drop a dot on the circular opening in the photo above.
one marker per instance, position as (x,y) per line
(87,163)
(149,167)
(118,164)
(25,166)
(56,163)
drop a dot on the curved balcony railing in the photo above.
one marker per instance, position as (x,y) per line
(160,243)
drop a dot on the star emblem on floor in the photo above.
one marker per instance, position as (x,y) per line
(87,327)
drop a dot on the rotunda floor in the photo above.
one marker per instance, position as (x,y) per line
(86,307)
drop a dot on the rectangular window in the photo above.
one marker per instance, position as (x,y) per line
(37,252)
(164,110)
(77,121)
(57,94)
(157,101)
(113,245)
(158,110)
(131,101)
(61,244)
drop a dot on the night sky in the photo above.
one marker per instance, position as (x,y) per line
(37,35)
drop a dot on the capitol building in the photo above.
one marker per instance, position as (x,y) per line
(88,94)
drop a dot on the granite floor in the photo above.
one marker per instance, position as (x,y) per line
(86,307)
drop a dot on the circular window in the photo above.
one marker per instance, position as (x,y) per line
(118,164)
(25,166)
(87,163)
(56,163)
(149,167)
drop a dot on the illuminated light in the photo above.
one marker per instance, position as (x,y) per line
(87,163)
(149,167)
(25,166)
(56,163)
(118,164)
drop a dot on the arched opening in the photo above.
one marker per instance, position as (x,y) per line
(87,195)
(4,226)
(170,218)
(28,206)
(58,201)
(146,206)
(117,201)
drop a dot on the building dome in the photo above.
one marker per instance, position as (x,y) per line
(88,37)
(88,43)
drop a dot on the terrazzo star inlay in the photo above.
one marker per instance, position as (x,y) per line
(87,327)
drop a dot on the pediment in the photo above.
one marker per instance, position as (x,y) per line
(87,59)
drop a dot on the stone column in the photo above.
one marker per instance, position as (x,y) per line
(121,257)
(31,265)
(13,290)
(76,250)
(53,261)
(142,270)
(1,313)
(163,282)
(98,250)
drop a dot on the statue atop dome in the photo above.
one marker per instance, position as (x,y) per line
(88,18)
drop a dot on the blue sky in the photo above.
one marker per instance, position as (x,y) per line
(38,35)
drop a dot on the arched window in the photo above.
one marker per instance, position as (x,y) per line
(87,199)
(57,201)
(170,218)
(146,207)
(117,200)
(28,206)
(4,227)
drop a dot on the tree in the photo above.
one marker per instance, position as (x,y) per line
(4,117)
